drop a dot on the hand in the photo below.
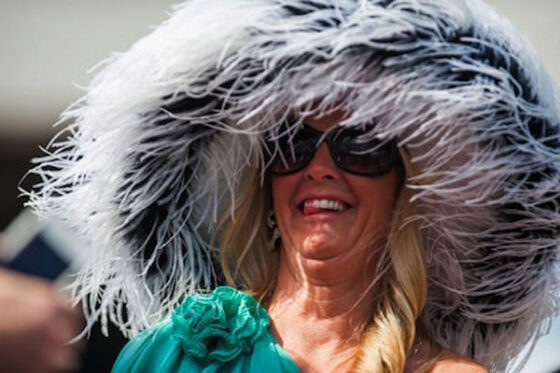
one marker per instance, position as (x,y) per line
(36,324)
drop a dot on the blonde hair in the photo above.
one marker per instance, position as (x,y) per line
(249,262)
(245,252)
(393,333)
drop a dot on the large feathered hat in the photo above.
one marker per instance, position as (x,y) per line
(156,150)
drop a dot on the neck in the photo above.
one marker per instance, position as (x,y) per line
(321,305)
(337,287)
(321,294)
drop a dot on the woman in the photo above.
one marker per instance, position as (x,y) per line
(377,181)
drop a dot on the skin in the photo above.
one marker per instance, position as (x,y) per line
(36,323)
(327,261)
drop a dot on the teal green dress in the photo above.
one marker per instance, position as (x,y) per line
(224,331)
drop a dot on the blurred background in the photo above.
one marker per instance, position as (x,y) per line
(47,48)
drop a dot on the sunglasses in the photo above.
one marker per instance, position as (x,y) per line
(351,148)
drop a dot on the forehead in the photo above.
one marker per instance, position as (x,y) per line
(326,121)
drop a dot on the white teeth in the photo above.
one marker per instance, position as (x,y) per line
(325,204)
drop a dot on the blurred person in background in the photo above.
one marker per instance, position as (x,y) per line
(37,322)
(38,260)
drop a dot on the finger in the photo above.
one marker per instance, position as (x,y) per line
(66,359)
(71,312)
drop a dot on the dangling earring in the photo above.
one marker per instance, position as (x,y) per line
(276,240)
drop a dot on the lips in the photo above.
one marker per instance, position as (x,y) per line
(316,205)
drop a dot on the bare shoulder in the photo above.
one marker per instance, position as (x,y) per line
(451,362)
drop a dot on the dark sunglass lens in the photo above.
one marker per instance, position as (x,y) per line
(292,156)
(356,153)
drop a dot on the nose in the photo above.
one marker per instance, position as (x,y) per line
(322,165)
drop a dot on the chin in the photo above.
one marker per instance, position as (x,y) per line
(323,247)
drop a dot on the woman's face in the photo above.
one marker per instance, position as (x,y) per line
(326,214)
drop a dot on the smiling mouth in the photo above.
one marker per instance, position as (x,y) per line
(317,206)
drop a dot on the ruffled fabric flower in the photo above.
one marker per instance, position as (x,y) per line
(218,327)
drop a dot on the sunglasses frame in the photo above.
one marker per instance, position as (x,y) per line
(330,139)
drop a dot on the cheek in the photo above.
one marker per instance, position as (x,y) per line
(378,198)
(283,189)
